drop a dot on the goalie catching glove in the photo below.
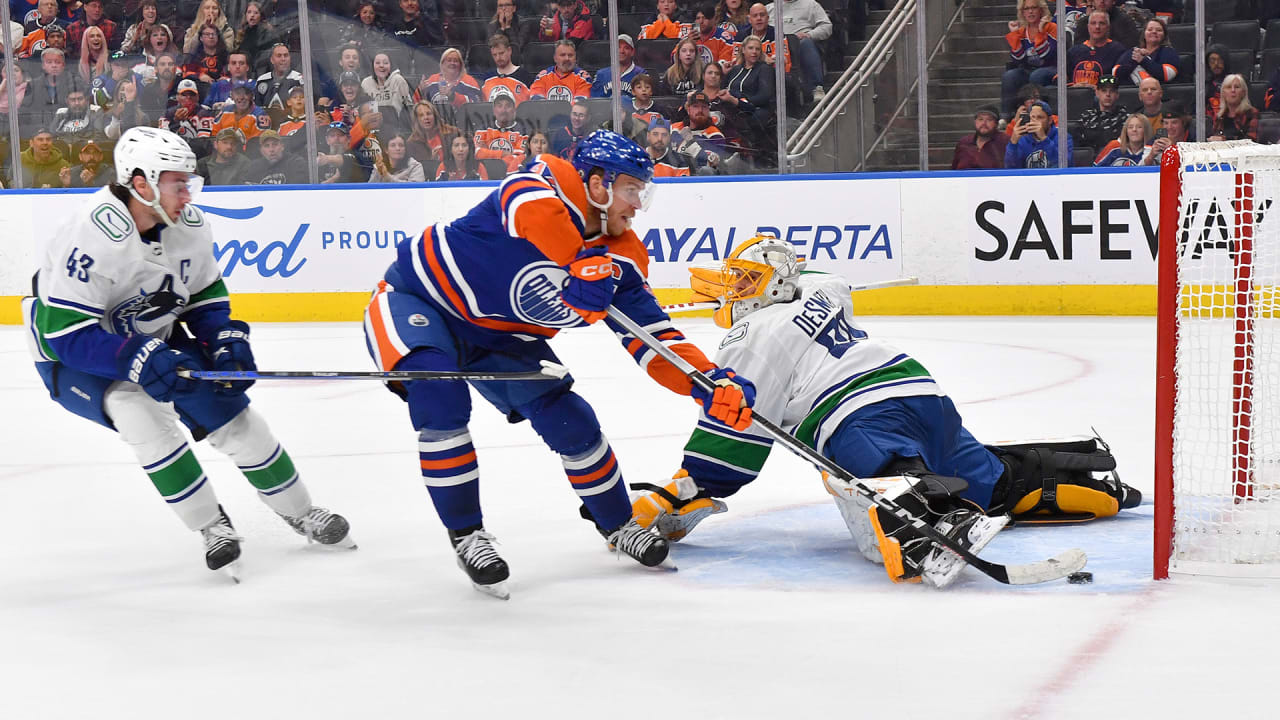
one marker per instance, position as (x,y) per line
(1064,481)
(675,508)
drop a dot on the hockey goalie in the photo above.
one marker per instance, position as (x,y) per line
(875,411)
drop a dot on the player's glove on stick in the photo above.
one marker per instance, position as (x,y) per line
(591,284)
(151,363)
(230,351)
(732,400)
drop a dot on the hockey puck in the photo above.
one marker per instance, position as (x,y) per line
(1080,578)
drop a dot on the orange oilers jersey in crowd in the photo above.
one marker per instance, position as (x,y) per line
(715,50)
(551,85)
(291,125)
(509,145)
(664,28)
(495,86)
(252,124)
(496,272)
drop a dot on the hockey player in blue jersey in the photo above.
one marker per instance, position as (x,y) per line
(127,295)
(550,248)
(876,412)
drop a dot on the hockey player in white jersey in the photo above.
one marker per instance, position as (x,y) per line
(877,413)
(127,295)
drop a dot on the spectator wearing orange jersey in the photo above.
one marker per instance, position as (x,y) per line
(669,22)
(243,115)
(665,162)
(452,85)
(564,80)
(715,45)
(291,128)
(506,139)
(760,29)
(643,107)
(509,79)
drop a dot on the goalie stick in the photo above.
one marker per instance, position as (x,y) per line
(1054,568)
(713,304)
(549,371)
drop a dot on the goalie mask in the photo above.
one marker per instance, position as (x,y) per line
(758,273)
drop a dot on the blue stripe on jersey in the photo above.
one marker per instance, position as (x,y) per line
(73,305)
(853,378)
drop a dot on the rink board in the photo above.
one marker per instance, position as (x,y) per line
(1073,242)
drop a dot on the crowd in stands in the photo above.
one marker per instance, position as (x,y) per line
(402,90)
(1113,51)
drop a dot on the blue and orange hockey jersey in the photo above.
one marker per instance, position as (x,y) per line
(496,272)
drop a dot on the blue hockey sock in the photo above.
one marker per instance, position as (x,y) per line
(597,479)
(452,476)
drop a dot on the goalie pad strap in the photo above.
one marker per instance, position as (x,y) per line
(659,491)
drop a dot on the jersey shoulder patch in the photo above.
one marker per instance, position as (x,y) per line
(736,333)
(112,222)
(192,216)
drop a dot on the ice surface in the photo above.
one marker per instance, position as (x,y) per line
(106,610)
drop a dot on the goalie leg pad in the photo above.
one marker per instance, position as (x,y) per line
(1063,481)
(675,508)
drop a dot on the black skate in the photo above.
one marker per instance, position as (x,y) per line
(477,558)
(321,526)
(643,544)
(222,545)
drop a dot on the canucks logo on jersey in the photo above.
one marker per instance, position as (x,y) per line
(147,313)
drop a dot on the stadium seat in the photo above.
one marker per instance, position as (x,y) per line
(538,56)
(630,23)
(543,115)
(474,116)
(1242,62)
(1183,37)
(1079,100)
(1083,157)
(1268,128)
(469,31)
(594,55)
(655,55)
(496,169)
(1257,93)
(479,59)
(1270,61)
(599,110)
(1186,67)
(1129,97)
(1184,94)
(1272,39)
(1237,34)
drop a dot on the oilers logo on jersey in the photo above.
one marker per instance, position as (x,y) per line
(535,296)
(147,313)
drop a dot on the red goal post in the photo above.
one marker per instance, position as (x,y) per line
(1217,463)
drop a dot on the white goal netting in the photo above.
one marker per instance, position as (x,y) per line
(1226,410)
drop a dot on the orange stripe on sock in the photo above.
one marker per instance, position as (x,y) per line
(449,463)
(602,472)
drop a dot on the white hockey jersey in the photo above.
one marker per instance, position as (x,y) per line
(812,367)
(97,270)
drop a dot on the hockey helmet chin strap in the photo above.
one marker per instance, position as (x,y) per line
(641,197)
(194,184)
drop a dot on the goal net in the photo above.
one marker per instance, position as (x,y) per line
(1218,353)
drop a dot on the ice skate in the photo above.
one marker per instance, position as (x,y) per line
(972,531)
(477,558)
(222,546)
(321,526)
(643,544)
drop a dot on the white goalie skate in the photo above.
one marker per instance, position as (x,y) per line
(972,530)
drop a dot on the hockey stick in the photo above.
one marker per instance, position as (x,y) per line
(549,371)
(713,304)
(1054,568)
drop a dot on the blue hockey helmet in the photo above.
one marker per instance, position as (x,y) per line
(616,155)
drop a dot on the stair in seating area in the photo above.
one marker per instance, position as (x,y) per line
(964,76)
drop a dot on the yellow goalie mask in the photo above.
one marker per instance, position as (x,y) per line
(758,273)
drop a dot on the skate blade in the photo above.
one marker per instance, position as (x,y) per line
(497,590)
(232,570)
(345,543)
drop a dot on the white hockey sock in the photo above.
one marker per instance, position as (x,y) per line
(151,430)
(248,441)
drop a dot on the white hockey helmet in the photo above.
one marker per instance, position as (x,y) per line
(152,151)
(759,272)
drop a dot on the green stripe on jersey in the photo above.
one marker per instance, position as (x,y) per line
(807,431)
(177,476)
(216,291)
(279,472)
(54,320)
(727,450)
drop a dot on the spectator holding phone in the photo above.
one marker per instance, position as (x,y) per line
(1033,52)
(1035,141)
(1175,129)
